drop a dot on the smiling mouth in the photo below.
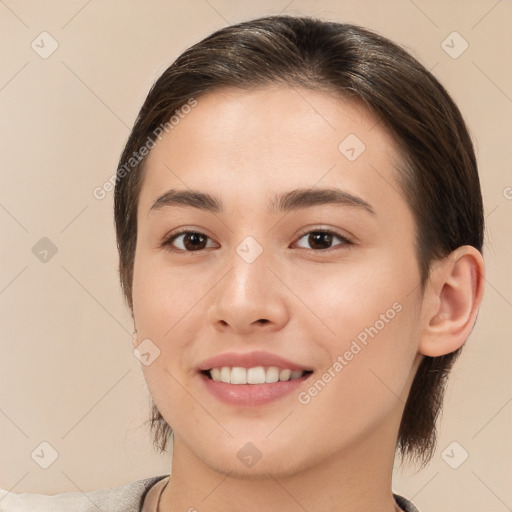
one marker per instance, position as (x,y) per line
(255,375)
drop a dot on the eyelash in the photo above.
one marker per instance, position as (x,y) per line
(167,243)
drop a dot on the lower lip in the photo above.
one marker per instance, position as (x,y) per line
(251,394)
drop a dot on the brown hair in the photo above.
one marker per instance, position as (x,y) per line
(438,173)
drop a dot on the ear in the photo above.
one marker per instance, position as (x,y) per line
(451,301)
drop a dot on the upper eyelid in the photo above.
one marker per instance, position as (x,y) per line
(321,229)
(308,229)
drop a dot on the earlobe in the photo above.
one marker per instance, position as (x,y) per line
(452,300)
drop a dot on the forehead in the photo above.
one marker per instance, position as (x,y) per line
(253,143)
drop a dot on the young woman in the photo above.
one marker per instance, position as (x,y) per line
(300,226)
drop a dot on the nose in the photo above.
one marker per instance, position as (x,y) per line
(249,298)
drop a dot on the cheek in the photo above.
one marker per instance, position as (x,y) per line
(162,295)
(372,336)
(365,381)
(162,301)
(348,298)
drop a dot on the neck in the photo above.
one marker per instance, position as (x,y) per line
(355,479)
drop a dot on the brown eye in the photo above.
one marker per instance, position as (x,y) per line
(322,240)
(193,241)
(187,241)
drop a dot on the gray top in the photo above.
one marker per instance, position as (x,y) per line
(125,498)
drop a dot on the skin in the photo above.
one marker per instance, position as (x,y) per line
(337,451)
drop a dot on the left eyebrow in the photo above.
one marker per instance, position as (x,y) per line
(288,201)
(306,198)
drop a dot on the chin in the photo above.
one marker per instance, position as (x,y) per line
(245,461)
(272,467)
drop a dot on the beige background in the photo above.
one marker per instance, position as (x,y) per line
(68,375)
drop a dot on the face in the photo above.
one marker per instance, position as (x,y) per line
(255,275)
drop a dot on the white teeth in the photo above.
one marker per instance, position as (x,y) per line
(225,374)
(255,375)
(272,374)
(238,375)
(285,375)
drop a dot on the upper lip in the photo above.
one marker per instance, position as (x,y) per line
(249,360)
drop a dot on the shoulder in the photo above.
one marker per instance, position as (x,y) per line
(405,504)
(124,498)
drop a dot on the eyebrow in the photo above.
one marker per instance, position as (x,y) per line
(285,202)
